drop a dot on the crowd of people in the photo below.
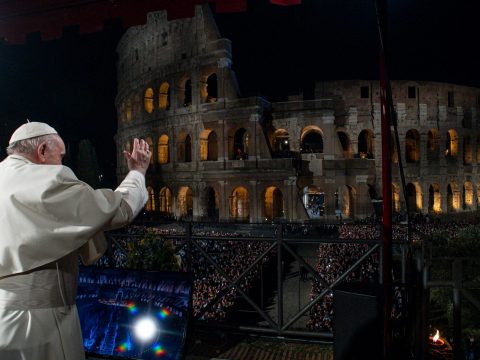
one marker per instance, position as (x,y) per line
(234,256)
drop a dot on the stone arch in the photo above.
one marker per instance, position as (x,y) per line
(129,110)
(451,146)
(185,202)
(414,197)
(164,96)
(478,196)
(433,141)
(396,203)
(149,141)
(211,209)
(312,140)
(314,201)
(162,152)
(137,106)
(165,201)
(240,204)
(345,143)
(273,203)
(208,146)
(347,198)
(478,149)
(184,153)
(366,144)
(467,150)
(453,197)
(150,205)
(239,144)
(148,100)
(209,88)
(434,199)
(185,92)
(281,143)
(412,146)
(467,195)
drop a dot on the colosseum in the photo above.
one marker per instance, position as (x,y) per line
(229,158)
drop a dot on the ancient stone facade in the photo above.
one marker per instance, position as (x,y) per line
(221,156)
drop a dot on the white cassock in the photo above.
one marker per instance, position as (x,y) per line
(47,219)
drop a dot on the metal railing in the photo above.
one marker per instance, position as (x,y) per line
(279,248)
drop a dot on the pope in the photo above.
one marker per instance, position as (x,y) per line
(48,220)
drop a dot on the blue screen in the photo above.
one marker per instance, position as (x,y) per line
(133,314)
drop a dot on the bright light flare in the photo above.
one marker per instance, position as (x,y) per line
(145,329)
(436,337)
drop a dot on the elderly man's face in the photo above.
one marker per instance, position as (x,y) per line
(54,152)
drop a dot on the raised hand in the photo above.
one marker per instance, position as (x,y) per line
(139,158)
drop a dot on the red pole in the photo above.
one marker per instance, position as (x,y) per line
(386,107)
(387,214)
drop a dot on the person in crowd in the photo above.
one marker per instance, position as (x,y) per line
(48,219)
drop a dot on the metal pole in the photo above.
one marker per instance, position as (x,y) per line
(457,309)
(385,98)
(279,278)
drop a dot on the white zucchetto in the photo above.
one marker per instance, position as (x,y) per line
(31,130)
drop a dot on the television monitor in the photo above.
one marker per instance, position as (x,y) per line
(131,314)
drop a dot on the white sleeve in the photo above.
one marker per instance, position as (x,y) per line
(133,191)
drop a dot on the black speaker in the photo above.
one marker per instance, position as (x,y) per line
(357,325)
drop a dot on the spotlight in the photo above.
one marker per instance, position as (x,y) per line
(145,329)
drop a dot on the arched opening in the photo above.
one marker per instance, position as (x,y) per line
(413,198)
(412,146)
(163,154)
(396,204)
(393,148)
(148,100)
(478,149)
(453,197)
(451,146)
(149,141)
(187,93)
(164,96)
(137,106)
(188,149)
(433,141)
(273,203)
(345,143)
(314,201)
(208,146)
(128,111)
(468,195)
(211,203)
(281,143)
(347,199)
(467,151)
(434,199)
(365,144)
(212,93)
(239,204)
(478,196)
(312,142)
(240,145)
(165,201)
(150,205)
(185,202)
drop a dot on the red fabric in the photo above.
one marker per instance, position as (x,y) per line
(49,17)
(286,2)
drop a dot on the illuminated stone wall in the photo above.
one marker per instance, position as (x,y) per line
(219,155)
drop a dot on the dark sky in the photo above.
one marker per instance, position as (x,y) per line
(71,82)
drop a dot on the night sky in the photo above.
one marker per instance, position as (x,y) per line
(71,82)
